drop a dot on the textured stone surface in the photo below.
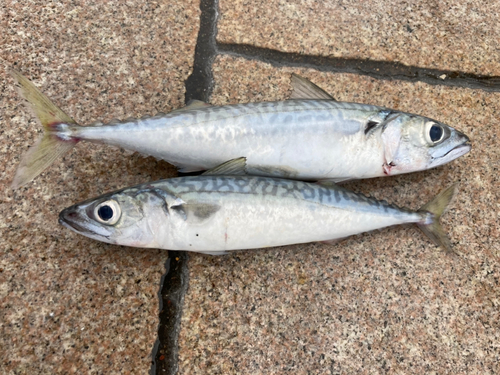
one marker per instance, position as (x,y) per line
(386,301)
(69,304)
(454,35)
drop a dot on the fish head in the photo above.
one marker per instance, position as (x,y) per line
(130,217)
(414,143)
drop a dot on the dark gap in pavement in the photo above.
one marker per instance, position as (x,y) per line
(387,70)
(173,287)
(174,282)
(200,83)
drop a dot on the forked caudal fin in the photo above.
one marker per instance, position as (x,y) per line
(437,207)
(49,146)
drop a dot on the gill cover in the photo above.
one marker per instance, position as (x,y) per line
(413,143)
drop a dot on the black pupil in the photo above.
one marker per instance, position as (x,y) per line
(105,212)
(436,133)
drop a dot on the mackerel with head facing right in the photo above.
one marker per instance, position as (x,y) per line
(309,137)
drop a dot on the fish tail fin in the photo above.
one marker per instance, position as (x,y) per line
(437,207)
(50,145)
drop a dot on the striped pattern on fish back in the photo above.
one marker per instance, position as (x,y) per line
(329,195)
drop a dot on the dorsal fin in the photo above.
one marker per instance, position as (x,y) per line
(193,104)
(305,89)
(233,167)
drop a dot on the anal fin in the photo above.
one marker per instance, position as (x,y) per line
(233,167)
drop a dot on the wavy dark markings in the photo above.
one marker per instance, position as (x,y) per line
(373,202)
(337,196)
(204,183)
(308,192)
(290,189)
(218,183)
(242,184)
(274,118)
(255,184)
(324,194)
(385,205)
(312,105)
(324,104)
(174,182)
(273,191)
(186,184)
(353,197)
(346,196)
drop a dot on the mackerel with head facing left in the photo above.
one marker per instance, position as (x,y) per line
(214,214)
(309,137)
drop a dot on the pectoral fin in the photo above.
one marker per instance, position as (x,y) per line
(194,212)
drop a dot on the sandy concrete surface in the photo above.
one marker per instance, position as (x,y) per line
(451,35)
(69,304)
(381,302)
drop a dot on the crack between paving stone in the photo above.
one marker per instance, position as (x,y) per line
(174,282)
(387,70)
(199,84)
(173,287)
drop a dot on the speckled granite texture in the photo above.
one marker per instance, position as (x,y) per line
(454,35)
(69,304)
(381,302)
(387,301)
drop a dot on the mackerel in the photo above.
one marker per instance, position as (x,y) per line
(309,137)
(214,214)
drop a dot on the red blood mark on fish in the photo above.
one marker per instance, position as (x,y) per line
(387,168)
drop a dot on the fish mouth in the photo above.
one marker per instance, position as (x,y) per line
(72,219)
(459,150)
(68,219)
(451,155)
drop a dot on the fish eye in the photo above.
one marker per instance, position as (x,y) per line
(434,133)
(107,212)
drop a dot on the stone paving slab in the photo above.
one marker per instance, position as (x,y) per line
(386,301)
(69,304)
(451,35)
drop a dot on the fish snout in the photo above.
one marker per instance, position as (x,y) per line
(69,218)
(463,138)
